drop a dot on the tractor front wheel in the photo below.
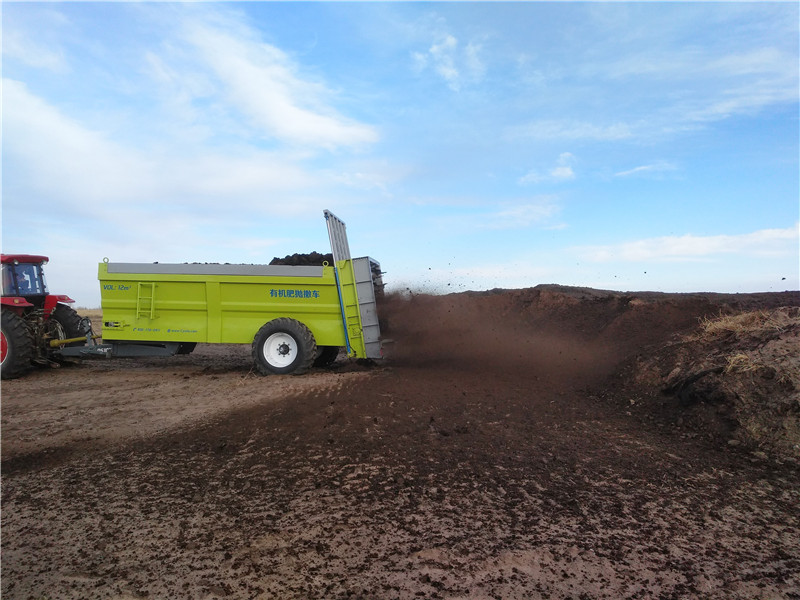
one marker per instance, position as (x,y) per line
(16,346)
(284,346)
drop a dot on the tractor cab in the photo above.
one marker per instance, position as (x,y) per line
(24,287)
(23,277)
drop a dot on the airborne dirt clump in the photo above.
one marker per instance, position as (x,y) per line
(538,443)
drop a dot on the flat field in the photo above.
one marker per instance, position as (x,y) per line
(541,443)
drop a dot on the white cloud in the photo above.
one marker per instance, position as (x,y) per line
(562,171)
(759,61)
(748,82)
(265,85)
(371,181)
(452,63)
(718,86)
(46,53)
(744,99)
(56,157)
(474,60)
(567,129)
(524,215)
(697,62)
(15,45)
(536,211)
(442,55)
(654,168)
(762,243)
(420,61)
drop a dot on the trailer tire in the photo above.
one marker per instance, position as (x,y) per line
(71,322)
(17,346)
(326,355)
(284,346)
(186,347)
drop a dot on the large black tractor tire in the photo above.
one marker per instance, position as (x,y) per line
(284,346)
(71,322)
(17,346)
(326,355)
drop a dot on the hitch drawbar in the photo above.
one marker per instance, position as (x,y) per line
(117,349)
(57,343)
(92,348)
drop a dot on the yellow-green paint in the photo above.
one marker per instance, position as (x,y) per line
(227,309)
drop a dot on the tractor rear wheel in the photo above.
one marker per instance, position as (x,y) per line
(73,325)
(16,346)
(284,346)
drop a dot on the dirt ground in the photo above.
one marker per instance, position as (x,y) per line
(541,443)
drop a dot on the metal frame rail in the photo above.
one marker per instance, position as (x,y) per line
(340,248)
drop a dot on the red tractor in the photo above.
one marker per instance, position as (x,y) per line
(35,324)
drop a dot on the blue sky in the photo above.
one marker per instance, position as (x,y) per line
(627,146)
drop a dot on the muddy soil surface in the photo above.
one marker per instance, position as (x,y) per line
(490,456)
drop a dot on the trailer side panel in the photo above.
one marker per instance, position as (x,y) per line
(215,303)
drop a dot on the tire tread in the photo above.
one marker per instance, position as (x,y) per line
(305,341)
(20,346)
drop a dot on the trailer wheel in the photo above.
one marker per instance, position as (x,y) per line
(284,346)
(73,325)
(186,347)
(326,355)
(16,346)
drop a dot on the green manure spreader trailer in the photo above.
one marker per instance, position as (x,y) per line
(295,317)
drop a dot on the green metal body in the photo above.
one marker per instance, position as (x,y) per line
(228,304)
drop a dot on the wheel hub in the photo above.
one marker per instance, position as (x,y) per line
(280,349)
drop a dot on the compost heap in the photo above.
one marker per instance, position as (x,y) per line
(736,376)
(722,366)
(310,259)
